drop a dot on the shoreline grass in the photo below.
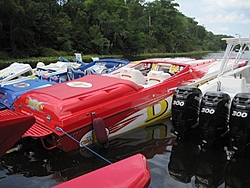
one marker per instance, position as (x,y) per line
(87,58)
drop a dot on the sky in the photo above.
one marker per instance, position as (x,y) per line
(227,17)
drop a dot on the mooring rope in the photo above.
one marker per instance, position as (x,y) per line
(60,129)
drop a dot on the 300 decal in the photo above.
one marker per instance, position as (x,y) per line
(207,111)
(239,114)
(178,103)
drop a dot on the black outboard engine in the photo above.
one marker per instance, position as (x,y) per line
(214,117)
(185,109)
(239,124)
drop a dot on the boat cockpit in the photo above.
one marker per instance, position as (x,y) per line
(147,74)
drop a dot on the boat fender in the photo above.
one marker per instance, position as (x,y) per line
(100,131)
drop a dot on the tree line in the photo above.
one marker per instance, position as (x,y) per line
(32,28)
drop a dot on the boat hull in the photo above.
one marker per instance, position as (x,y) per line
(12,127)
(132,172)
(115,124)
(65,113)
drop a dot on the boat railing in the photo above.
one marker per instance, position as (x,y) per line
(231,44)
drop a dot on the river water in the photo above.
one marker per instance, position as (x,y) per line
(35,167)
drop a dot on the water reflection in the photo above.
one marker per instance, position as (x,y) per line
(238,173)
(191,163)
(183,160)
(210,171)
(206,164)
(172,162)
(34,166)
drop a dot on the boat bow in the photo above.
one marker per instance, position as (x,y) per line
(12,126)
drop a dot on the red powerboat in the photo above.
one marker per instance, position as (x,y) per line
(97,107)
(12,126)
(132,172)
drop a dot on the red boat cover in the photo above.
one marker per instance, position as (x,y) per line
(87,85)
(69,97)
(12,127)
(132,172)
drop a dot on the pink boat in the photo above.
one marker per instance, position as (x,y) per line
(132,172)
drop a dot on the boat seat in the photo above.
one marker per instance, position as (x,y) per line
(125,73)
(109,65)
(233,85)
(132,75)
(164,76)
(137,77)
(77,73)
(155,77)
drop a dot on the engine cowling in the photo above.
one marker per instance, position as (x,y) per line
(239,125)
(185,110)
(214,116)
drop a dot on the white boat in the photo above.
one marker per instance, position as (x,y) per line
(219,108)
(15,71)
(19,70)
(60,66)
(236,80)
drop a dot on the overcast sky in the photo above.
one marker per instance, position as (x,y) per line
(219,16)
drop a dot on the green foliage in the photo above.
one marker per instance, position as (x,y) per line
(49,52)
(30,28)
(4,55)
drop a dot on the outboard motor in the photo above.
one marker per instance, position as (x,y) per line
(239,124)
(214,117)
(185,110)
